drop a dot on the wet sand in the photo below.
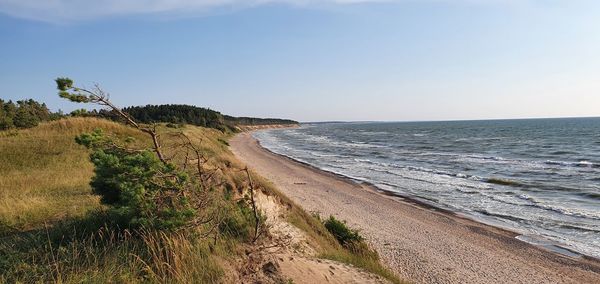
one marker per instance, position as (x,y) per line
(420,243)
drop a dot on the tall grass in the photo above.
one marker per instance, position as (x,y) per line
(44,174)
(52,229)
(109,256)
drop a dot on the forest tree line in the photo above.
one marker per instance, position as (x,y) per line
(29,113)
(257,121)
(187,114)
(178,114)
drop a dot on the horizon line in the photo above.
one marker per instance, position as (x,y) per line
(446,120)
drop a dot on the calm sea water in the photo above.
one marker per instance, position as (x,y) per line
(538,177)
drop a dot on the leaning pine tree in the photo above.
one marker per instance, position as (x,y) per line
(140,186)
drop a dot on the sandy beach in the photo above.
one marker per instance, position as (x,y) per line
(421,244)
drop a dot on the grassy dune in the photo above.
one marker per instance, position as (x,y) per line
(52,226)
(44,174)
(52,229)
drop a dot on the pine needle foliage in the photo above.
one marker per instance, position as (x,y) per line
(141,190)
(141,187)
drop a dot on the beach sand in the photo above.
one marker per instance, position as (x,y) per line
(420,243)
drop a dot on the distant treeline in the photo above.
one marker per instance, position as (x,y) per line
(257,121)
(185,114)
(178,114)
(28,113)
(24,114)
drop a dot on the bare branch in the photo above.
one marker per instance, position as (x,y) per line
(253,204)
(98,96)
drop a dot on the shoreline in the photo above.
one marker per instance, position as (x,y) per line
(370,186)
(500,242)
(547,245)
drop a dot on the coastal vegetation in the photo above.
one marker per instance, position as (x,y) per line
(85,199)
(178,114)
(55,229)
(356,251)
(257,121)
(24,114)
(341,232)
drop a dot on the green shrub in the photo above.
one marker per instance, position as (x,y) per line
(349,238)
(341,232)
(139,187)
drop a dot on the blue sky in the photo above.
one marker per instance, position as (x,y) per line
(312,60)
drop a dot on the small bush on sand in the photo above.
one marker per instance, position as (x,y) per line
(341,232)
(349,238)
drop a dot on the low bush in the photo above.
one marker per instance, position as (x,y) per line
(344,235)
(137,186)
(353,242)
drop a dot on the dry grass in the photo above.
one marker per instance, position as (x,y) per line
(44,174)
(109,257)
(55,230)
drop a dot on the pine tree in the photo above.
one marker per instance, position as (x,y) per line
(25,117)
(5,120)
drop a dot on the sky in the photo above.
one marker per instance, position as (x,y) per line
(312,60)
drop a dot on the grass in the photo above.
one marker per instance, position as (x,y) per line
(44,174)
(107,256)
(53,229)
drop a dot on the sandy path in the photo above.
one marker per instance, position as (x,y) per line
(420,244)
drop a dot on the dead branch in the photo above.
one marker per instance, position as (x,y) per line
(98,96)
(253,204)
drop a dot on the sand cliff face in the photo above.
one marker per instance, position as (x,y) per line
(246,128)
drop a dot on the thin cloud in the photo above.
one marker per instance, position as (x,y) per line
(74,10)
(77,10)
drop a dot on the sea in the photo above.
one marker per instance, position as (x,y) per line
(537,177)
